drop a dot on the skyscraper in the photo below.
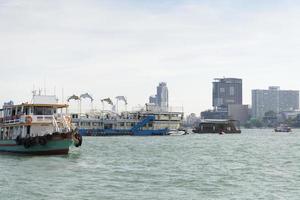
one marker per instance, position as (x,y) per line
(275,100)
(227,91)
(162,95)
(161,99)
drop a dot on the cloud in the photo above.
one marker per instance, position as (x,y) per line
(112,48)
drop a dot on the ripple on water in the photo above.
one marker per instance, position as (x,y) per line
(257,164)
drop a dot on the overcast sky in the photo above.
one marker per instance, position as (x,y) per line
(126,47)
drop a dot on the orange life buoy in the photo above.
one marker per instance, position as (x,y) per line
(28,119)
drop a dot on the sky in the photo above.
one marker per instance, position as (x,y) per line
(126,47)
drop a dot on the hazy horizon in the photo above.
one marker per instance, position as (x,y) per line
(111,48)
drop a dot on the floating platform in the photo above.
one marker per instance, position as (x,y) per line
(217,126)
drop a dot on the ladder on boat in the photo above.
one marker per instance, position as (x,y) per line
(142,123)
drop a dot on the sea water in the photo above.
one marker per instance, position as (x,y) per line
(257,164)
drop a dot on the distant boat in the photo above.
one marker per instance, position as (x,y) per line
(283,128)
(37,128)
(178,132)
(217,126)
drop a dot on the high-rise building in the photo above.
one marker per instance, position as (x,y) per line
(161,99)
(275,100)
(162,95)
(227,91)
(227,101)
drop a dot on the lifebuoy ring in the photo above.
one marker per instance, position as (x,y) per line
(28,119)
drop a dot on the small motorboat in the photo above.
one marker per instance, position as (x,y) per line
(283,128)
(178,132)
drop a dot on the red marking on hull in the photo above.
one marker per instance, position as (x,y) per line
(7,145)
(39,153)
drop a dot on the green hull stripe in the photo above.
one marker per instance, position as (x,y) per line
(50,146)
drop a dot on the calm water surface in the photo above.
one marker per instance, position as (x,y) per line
(258,164)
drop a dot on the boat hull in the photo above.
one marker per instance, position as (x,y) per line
(119,132)
(216,132)
(54,147)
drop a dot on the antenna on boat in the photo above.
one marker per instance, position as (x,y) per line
(62,95)
(44,85)
(54,90)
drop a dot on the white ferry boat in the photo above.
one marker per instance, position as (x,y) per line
(37,128)
(149,121)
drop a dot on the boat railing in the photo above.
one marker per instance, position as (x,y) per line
(54,123)
(66,123)
(12,121)
(22,119)
(163,109)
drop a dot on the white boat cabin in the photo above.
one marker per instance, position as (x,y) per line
(40,117)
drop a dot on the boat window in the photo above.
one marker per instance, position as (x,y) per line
(74,116)
(108,126)
(13,112)
(43,111)
(19,110)
(96,124)
(85,124)
(26,110)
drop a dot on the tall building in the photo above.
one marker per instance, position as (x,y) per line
(227,101)
(227,91)
(162,95)
(275,100)
(161,99)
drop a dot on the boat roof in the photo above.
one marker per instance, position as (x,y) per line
(40,105)
(155,112)
(217,121)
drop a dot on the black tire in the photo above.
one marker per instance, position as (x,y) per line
(79,138)
(63,135)
(27,143)
(48,137)
(42,141)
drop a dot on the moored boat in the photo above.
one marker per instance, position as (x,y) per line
(217,126)
(150,121)
(37,128)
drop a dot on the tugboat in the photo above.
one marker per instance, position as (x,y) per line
(37,128)
(283,128)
